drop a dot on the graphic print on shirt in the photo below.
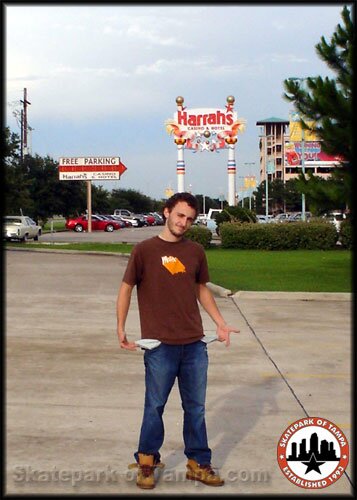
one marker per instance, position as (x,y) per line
(173,264)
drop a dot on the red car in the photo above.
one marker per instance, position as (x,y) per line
(80,224)
(150,219)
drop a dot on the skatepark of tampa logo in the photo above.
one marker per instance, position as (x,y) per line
(313,453)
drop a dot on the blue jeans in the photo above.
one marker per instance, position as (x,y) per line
(189,363)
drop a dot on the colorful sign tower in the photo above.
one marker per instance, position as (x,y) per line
(206,129)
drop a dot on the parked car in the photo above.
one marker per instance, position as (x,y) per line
(280,218)
(115,218)
(297,217)
(80,224)
(20,228)
(211,220)
(335,217)
(264,219)
(150,219)
(159,220)
(201,220)
(122,211)
(136,220)
(122,221)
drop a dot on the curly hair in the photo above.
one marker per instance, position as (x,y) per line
(177,197)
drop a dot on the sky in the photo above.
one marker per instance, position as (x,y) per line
(102,79)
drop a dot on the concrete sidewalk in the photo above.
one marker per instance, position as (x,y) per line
(74,400)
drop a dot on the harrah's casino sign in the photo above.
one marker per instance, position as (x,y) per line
(214,120)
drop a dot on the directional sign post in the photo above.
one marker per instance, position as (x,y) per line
(90,168)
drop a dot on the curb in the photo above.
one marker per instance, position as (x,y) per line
(83,252)
(219,290)
(303,296)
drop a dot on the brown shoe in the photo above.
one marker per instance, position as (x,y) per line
(203,473)
(146,467)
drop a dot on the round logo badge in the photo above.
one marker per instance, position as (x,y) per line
(313,453)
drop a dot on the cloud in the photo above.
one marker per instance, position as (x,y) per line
(287,58)
(92,72)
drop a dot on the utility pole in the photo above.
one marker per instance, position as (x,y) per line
(25,102)
(22,134)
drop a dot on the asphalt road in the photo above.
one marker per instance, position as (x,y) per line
(127,235)
(74,399)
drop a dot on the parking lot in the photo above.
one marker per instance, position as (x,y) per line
(74,400)
(126,235)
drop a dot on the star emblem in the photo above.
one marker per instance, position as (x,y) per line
(313,464)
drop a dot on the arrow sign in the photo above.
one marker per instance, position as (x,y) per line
(121,169)
(91,168)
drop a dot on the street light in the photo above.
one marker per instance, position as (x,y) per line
(303,216)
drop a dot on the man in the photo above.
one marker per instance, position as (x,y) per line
(171,273)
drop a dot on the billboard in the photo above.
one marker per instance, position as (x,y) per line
(313,153)
(296,130)
(205,129)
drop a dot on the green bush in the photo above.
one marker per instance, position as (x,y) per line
(235,214)
(290,236)
(200,234)
(346,234)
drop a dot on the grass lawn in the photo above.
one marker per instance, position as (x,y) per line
(83,247)
(295,270)
(257,270)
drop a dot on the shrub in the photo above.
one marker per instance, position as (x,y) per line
(235,214)
(290,236)
(346,234)
(200,234)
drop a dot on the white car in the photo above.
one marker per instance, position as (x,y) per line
(297,217)
(280,218)
(201,219)
(20,228)
(211,220)
(264,219)
(336,218)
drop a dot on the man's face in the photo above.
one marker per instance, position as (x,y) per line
(180,219)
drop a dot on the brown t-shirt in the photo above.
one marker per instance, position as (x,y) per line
(166,275)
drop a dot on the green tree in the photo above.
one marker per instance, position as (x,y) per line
(323,195)
(209,203)
(292,197)
(101,200)
(328,103)
(277,194)
(282,197)
(17,185)
(131,200)
(235,214)
(50,195)
(10,145)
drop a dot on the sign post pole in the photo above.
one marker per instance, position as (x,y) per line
(89,205)
(104,168)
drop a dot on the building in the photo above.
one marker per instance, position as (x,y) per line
(281,145)
(272,148)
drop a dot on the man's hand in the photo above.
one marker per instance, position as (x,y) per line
(223,333)
(124,344)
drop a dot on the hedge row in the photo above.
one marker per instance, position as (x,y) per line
(200,234)
(297,235)
(346,234)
